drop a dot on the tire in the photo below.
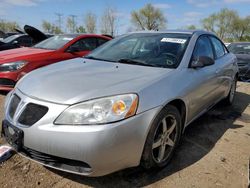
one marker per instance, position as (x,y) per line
(230,98)
(162,136)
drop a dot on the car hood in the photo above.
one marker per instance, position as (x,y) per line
(77,80)
(34,33)
(19,31)
(20,54)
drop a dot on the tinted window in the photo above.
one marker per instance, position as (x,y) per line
(86,44)
(239,48)
(54,43)
(203,48)
(24,41)
(218,47)
(101,41)
(10,38)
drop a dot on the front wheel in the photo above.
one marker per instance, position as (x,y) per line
(162,138)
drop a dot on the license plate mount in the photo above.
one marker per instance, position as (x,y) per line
(13,135)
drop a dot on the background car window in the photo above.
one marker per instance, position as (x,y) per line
(203,47)
(10,38)
(24,41)
(101,41)
(239,48)
(86,44)
(218,47)
(54,43)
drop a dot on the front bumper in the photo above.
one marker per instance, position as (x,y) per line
(244,71)
(8,80)
(99,149)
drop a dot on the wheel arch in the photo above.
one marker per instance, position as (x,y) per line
(181,106)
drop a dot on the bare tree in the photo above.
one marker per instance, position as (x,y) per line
(148,18)
(59,20)
(7,26)
(47,26)
(209,23)
(80,29)
(109,21)
(222,22)
(241,28)
(51,28)
(90,22)
(71,23)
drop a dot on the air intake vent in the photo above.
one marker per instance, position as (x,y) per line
(7,82)
(13,105)
(32,114)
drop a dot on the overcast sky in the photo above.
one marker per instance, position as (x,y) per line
(178,13)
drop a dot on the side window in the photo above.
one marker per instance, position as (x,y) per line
(218,47)
(101,41)
(203,47)
(24,41)
(86,44)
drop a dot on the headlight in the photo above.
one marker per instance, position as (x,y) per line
(12,66)
(99,111)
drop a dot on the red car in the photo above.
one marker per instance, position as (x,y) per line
(17,62)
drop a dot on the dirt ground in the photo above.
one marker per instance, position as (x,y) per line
(214,152)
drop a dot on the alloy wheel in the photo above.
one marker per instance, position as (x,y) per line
(232,91)
(164,139)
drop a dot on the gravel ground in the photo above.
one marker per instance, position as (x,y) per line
(214,152)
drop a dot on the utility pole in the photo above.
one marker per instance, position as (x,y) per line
(73,18)
(59,20)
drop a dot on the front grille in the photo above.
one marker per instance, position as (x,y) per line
(7,82)
(32,114)
(13,105)
(57,162)
(242,63)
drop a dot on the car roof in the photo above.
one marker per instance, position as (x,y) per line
(191,32)
(74,35)
(240,43)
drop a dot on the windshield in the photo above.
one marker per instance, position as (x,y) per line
(53,43)
(240,48)
(148,49)
(10,38)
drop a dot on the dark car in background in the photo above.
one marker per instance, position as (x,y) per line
(31,37)
(242,52)
(4,35)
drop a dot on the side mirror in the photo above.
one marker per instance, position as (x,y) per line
(201,61)
(73,49)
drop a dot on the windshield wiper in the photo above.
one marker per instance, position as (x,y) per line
(94,58)
(135,62)
(40,48)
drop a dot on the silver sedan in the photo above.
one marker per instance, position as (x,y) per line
(125,104)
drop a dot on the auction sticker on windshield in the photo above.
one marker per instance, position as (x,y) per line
(174,40)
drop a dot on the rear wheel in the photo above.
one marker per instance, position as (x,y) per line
(163,138)
(230,98)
